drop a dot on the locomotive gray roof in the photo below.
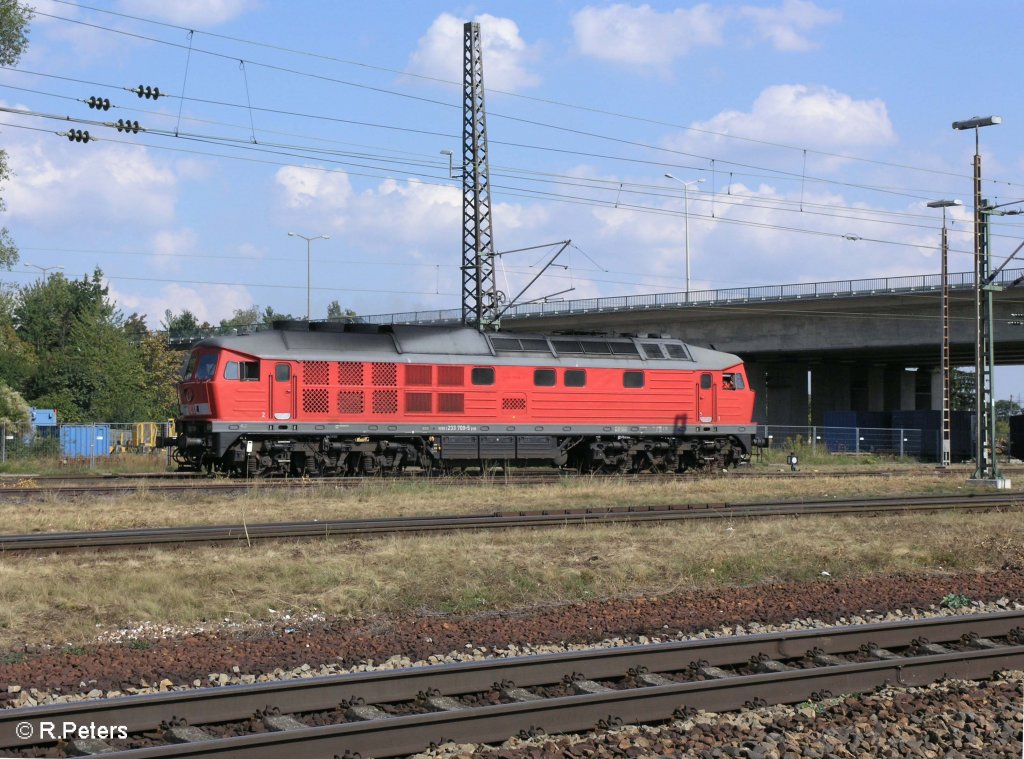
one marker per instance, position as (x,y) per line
(412,343)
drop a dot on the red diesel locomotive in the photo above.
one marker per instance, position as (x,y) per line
(359,399)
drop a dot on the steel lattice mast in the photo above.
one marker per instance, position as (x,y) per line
(479,293)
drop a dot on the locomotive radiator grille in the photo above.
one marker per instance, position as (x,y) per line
(350,373)
(350,402)
(315,401)
(450,376)
(451,403)
(419,403)
(385,401)
(316,372)
(418,375)
(384,375)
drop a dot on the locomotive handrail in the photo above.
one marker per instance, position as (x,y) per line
(694,298)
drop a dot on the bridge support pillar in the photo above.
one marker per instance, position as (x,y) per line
(781,391)
(936,387)
(908,391)
(830,390)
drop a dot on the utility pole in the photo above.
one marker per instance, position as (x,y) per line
(986,470)
(479,291)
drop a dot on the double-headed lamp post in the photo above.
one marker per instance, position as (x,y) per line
(944,309)
(44,269)
(686,223)
(309,265)
(986,469)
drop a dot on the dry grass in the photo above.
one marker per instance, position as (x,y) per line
(67,599)
(411,498)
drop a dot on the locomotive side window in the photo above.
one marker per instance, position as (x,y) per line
(250,371)
(575,378)
(282,372)
(652,350)
(231,370)
(483,375)
(544,377)
(705,381)
(633,379)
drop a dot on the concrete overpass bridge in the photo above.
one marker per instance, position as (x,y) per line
(862,345)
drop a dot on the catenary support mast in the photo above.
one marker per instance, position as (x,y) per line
(479,292)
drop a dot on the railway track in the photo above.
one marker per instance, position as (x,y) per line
(17,489)
(398,712)
(247,533)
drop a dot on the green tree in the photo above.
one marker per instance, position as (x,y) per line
(89,363)
(162,367)
(183,323)
(17,359)
(1006,409)
(336,314)
(961,391)
(14,18)
(242,317)
(14,411)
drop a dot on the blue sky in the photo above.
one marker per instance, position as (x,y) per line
(809,122)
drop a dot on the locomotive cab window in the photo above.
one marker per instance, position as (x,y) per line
(189,368)
(544,377)
(633,379)
(231,370)
(575,378)
(732,381)
(250,371)
(483,375)
(282,372)
(705,381)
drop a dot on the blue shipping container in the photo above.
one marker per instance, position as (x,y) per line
(43,417)
(85,440)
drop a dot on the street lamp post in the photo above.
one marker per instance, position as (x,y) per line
(986,468)
(946,453)
(686,223)
(44,269)
(309,266)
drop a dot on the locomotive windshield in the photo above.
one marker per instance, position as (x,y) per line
(200,367)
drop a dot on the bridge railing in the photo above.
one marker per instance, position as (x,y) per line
(694,298)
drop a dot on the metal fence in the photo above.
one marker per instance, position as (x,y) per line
(92,445)
(83,444)
(884,441)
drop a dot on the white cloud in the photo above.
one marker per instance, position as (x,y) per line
(168,244)
(801,115)
(306,187)
(188,12)
(506,55)
(640,35)
(88,184)
(784,26)
(211,303)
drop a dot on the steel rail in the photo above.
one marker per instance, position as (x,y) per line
(125,538)
(400,736)
(238,702)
